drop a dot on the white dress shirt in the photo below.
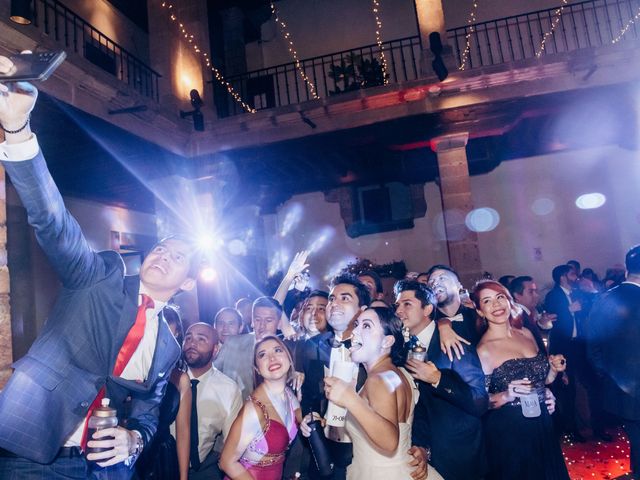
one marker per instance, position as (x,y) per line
(219,401)
(140,362)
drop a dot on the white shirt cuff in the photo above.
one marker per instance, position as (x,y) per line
(18,152)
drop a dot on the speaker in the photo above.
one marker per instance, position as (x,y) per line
(435,43)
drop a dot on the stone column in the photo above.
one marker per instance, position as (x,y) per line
(455,190)
(6,352)
(430,16)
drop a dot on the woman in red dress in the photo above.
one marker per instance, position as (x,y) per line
(268,422)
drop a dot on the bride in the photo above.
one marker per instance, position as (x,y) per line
(380,415)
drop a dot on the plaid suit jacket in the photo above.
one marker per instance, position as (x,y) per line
(52,387)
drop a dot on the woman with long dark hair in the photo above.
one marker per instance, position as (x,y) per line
(519,434)
(380,415)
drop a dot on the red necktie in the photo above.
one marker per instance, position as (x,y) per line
(129,346)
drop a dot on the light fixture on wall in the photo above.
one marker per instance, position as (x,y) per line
(21,12)
(198,118)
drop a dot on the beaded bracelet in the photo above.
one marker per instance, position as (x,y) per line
(19,129)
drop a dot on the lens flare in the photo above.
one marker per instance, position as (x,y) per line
(589,201)
(482,219)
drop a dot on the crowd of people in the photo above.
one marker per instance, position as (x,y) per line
(435,383)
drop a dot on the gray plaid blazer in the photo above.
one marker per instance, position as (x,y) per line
(51,389)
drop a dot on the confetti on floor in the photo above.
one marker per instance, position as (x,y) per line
(598,460)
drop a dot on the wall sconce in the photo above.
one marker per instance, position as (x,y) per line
(21,12)
(198,118)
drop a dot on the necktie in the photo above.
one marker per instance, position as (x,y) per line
(129,346)
(194,456)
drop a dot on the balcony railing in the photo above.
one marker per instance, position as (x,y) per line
(330,74)
(73,32)
(592,23)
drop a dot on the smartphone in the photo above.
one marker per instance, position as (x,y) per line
(31,67)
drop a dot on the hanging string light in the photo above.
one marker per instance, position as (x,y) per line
(294,53)
(625,29)
(383,59)
(554,23)
(467,49)
(216,73)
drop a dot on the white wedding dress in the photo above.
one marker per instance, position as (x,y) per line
(369,463)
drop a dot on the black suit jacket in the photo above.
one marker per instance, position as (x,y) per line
(52,387)
(557,302)
(315,355)
(613,346)
(447,418)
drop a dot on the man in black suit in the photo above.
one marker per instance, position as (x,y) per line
(456,321)
(564,339)
(103,336)
(452,392)
(613,337)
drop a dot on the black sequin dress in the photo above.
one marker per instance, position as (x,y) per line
(519,447)
(159,460)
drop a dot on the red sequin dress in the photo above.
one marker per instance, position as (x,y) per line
(265,455)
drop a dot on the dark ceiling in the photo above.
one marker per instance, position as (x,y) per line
(91,159)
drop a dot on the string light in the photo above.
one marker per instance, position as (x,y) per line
(554,23)
(216,73)
(294,53)
(625,29)
(471,21)
(376,10)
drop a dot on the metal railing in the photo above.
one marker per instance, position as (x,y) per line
(65,27)
(330,74)
(592,23)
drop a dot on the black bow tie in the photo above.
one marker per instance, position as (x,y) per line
(338,343)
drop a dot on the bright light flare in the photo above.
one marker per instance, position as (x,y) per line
(208,242)
(321,239)
(208,274)
(291,219)
(336,268)
(482,219)
(589,201)
(542,206)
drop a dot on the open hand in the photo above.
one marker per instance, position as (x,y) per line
(450,342)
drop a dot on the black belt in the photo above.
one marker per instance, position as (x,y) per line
(64,452)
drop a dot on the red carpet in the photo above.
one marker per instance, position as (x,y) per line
(597,460)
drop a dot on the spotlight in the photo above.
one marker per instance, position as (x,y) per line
(21,12)
(198,118)
(208,274)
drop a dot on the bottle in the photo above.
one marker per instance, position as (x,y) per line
(319,449)
(530,405)
(102,417)
(418,352)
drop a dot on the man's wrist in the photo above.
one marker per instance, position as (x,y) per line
(136,446)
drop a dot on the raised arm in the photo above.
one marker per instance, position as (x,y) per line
(56,230)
